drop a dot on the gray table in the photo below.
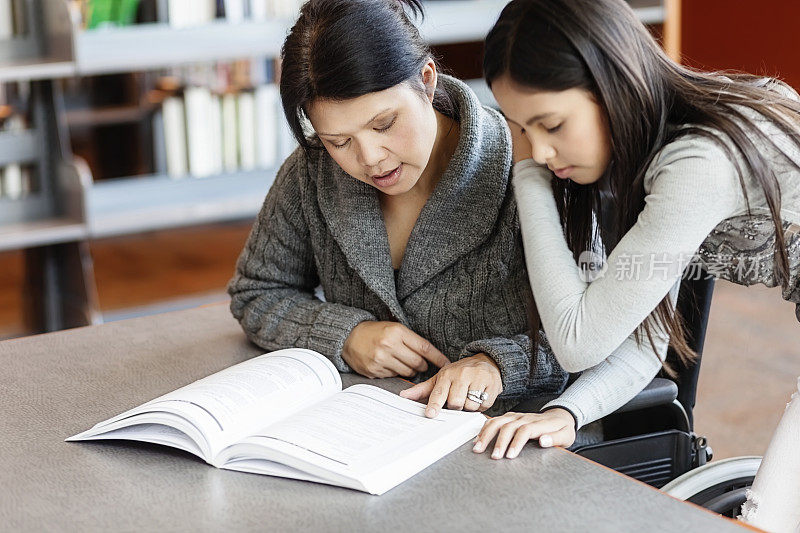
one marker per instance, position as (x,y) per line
(58,384)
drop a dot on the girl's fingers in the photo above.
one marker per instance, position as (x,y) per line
(512,432)
(523,435)
(564,437)
(504,437)
(561,437)
(490,429)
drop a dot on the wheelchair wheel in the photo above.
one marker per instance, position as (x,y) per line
(719,486)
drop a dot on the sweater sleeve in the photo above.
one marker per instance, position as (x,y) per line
(514,356)
(272,291)
(694,187)
(604,388)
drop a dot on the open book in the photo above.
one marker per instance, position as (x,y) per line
(285,414)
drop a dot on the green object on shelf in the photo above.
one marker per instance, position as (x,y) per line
(126,14)
(112,13)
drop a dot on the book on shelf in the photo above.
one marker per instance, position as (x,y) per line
(14,179)
(235,10)
(13,19)
(173,124)
(105,13)
(190,13)
(230,133)
(247,130)
(269,127)
(6,20)
(220,120)
(285,414)
(198,103)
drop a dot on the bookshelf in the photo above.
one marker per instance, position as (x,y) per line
(153,46)
(68,208)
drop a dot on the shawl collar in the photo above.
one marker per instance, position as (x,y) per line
(463,209)
(459,215)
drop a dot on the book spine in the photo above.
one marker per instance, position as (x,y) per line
(210,12)
(234,11)
(19,13)
(6,20)
(198,131)
(162,10)
(126,12)
(230,134)
(259,10)
(13,183)
(215,134)
(266,103)
(247,130)
(183,14)
(159,142)
(101,13)
(175,137)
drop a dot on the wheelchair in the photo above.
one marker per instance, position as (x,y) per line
(652,438)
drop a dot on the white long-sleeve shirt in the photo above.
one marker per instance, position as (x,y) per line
(694,201)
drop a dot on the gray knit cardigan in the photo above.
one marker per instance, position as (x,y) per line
(462,284)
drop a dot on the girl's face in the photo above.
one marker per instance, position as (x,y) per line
(384,139)
(567,130)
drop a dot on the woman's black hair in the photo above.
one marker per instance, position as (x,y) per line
(648,100)
(342,49)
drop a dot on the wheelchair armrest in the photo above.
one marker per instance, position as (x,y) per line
(660,391)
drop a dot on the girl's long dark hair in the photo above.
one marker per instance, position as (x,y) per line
(342,49)
(602,47)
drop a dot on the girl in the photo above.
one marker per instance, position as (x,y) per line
(398,203)
(696,165)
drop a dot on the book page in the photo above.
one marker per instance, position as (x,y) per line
(353,432)
(226,406)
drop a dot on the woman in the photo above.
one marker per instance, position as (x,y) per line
(398,203)
(695,164)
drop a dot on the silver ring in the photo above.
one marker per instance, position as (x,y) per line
(478,396)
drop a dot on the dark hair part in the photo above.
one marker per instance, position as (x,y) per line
(342,49)
(602,47)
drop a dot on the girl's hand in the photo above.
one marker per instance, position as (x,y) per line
(554,427)
(522,148)
(386,349)
(451,384)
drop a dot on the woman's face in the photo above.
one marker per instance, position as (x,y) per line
(384,139)
(567,130)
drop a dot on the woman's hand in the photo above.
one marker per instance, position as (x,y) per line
(522,148)
(554,427)
(386,349)
(451,384)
